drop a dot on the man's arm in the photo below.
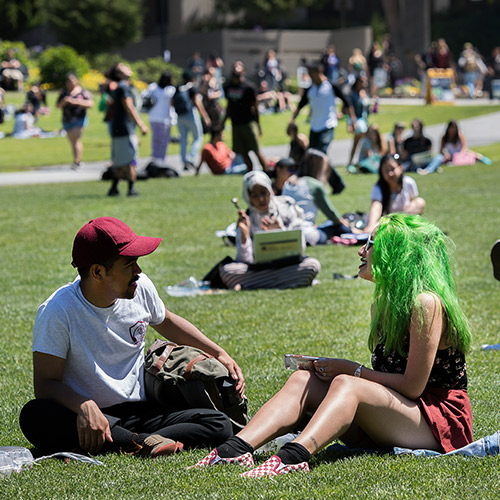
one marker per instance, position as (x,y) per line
(303,101)
(128,104)
(181,331)
(203,112)
(347,103)
(92,425)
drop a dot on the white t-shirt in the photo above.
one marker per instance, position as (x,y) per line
(160,112)
(103,347)
(399,201)
(23,122)
(301,193)
(322,102)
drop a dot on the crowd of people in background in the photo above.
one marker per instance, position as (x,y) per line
(409,397)
(195,106)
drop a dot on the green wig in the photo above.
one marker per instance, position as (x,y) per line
(410,257)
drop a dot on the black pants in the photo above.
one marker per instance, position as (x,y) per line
(51,427)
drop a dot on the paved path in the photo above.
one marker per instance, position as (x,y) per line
(480,131)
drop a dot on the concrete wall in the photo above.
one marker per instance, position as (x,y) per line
(250,46)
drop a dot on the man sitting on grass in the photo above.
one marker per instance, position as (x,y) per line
(219,158)
(88,357)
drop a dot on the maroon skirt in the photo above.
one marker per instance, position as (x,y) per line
(449,414)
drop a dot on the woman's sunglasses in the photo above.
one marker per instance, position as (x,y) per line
(368,243)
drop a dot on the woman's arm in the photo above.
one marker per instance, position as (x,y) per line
(321,200)
(203,112)
(425,335)
(374,217)
(463,141)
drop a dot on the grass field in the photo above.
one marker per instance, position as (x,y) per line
(38,224)
(31,153)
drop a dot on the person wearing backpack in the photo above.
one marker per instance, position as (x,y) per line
(188,105)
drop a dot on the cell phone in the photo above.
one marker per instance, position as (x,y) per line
(299,361)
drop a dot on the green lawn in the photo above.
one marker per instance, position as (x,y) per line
(31,153)
(38,224)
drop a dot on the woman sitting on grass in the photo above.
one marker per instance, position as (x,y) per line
(267,212)
(415,394)
(453,150)
(372,148)
(393,192)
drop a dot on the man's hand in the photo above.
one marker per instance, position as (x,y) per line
(144,129)
(93,427)
(234,372)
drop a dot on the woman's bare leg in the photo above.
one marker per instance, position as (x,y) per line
(355,142)
(75,138)
(388,418)
(302,392)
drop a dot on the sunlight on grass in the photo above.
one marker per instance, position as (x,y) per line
(38,225)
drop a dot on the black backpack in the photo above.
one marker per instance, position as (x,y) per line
(182,100)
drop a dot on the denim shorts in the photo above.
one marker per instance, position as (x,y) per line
(78,123)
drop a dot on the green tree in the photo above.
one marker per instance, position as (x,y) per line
(55,64)
(95,26)
(19,15)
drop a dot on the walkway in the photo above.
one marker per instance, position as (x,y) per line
(480,131)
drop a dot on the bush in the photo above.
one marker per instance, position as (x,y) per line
(19,50)
(149,70)
(55,63)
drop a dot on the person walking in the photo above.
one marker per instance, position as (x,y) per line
(159,116)
(74,102)
(189,106)
(244,114)
(123,138)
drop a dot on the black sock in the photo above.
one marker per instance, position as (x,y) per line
(130,185)
(234,447)
(293,453)
(115,183)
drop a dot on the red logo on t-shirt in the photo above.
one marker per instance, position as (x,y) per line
(138,332)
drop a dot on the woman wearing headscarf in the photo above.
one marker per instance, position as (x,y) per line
(267,212)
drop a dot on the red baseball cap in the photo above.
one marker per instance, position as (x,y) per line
(107,237)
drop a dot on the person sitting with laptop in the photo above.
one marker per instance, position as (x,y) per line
(267,212)
(417,149)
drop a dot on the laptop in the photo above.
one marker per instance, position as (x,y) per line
(277,244)
(421,159)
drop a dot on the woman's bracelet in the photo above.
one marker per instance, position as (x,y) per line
(357,373)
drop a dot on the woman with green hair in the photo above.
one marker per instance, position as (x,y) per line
(415,395)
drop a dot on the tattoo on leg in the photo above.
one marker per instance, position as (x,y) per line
(316,445)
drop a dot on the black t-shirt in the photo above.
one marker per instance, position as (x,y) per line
(71,112)
(241,104)
(122,123)
(413,145)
